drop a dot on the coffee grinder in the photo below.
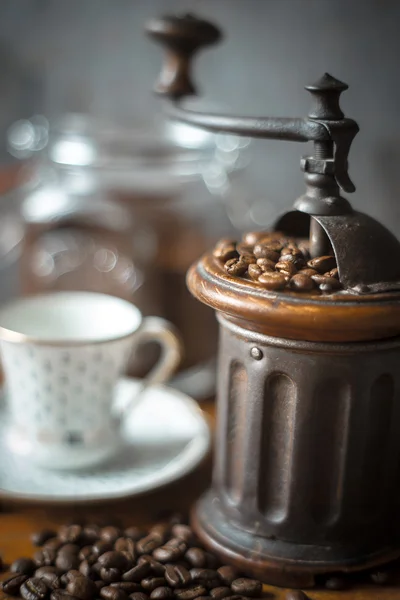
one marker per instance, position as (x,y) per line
(306,470)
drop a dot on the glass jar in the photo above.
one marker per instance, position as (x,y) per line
(126,211)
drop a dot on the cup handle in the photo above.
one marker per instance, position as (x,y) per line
(156,329)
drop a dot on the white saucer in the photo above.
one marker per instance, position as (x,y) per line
(166,437)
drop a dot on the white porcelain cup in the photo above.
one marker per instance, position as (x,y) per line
(62,355)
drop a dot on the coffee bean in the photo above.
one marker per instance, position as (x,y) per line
(243,248)
(336,583)
(333,273)
(87,554)
(225,250)
(308,271)
(295,595)
(44,557)
(168,554)
(285,267)
(34,589)
(156,567)
(253,237)
(110,534)
(102,546)
(125,544)
(129,587)
(265,265)
(148,544)
(249,259)
(273,281)
(380,577)
(151,583)
(64,580)
(87,570)
(206,577)
(235,266)
(41,537)
(71,534)
(82,588)
(204,598)
(72,575)
(53,544)
(301,283)
(26,566)
(91,533)
(191,593)
(228,574)
(247,587)
(138,596)
(134,533)
(264,251)
(112,593)
(113,558)
(41,571)
(11,585)
(196,557)
(254,272)
(99,583)
(183,532)
(177,576)
(220,592)
(322,264)
(67,561)
(52,580)
(330,284)
(70,549)
(162,593)
(61,595)
(138,572)
(110,574)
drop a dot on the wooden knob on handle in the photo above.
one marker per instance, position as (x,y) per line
(181,37)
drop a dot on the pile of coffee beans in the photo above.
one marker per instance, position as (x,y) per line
(276,262)
(108,563)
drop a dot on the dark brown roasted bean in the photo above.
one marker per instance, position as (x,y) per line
(12,585)
(265,265)
(129,587)
(227,574)
(110,534)
(113,558)
(67,562)
(102,546)
(225,250)
(34,589)
(162,593)
(322,264)
(254,272)
(235,266)
(26,566)
(148,544)
(71,534)
(138,596)
(151,583)
(125,544)
(41,537)
(191,593)
(177,576)
(273,281)
(247,587)
(134,533)
(221,592)
(82,588)
(110,574)
(137,573)
(196,557)
(112,593)
(301,283)
(61,595)
(52,580)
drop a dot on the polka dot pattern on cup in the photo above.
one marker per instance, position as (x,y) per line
(63,395)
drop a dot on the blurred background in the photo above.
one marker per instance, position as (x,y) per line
(106,195)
